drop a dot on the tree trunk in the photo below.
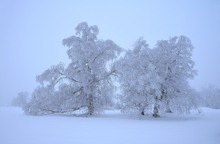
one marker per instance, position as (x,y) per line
(142,113)
(168,110)
(91,105)
(156,108)
(156,111)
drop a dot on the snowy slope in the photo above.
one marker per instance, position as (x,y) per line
(109,128)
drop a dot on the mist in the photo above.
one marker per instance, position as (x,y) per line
(32,33)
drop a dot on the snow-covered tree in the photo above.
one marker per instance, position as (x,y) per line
(210,97)
(20,100)
(156,80)
(173,60)
(85,84)
(139,80)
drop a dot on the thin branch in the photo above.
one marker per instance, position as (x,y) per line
(109,74)
(80,89)
(62,111)
(65,77)
(98,56)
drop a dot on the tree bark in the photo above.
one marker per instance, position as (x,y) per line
(142,113)
(91,105)
(156,108)
(168,110)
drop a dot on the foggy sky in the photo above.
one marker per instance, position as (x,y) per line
(31,33)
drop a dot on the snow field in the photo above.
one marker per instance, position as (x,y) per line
(109,128)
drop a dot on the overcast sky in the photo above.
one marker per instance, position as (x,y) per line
(31,33)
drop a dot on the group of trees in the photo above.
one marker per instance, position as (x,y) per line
(156,80)
(151,80)
(210,97)
(21,99)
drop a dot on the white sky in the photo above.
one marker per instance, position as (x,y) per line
(31,33)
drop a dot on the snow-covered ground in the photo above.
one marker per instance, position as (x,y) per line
(109,128)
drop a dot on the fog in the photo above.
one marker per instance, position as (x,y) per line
(31,34)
